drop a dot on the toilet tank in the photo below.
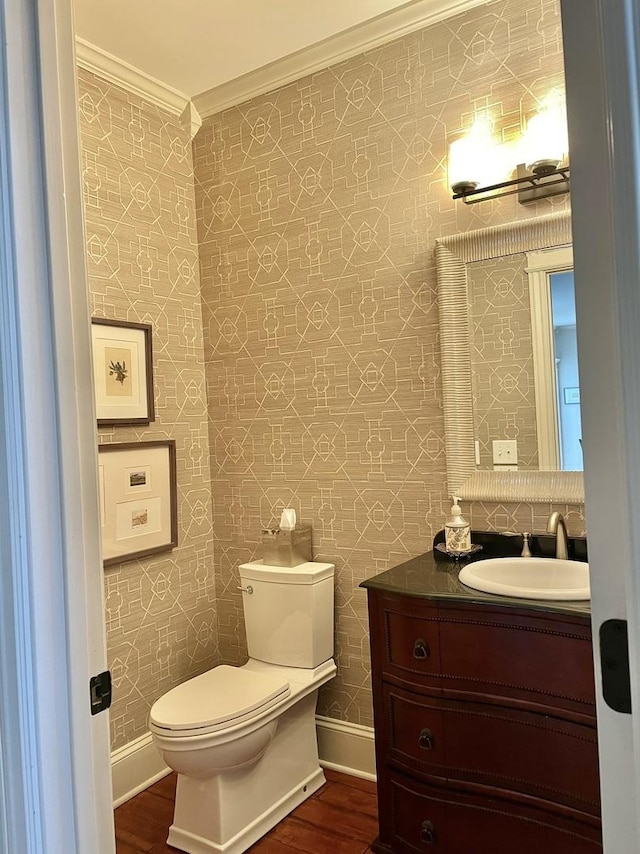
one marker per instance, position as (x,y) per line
(289,613)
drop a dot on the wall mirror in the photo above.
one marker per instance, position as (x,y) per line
(509,367)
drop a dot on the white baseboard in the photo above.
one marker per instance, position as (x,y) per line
(344,747)
(348,748)
(135,767)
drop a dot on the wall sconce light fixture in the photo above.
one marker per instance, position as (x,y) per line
(479,166)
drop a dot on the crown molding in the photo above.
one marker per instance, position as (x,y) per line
(412,16)
(120,73)
(191,119)
(385,28)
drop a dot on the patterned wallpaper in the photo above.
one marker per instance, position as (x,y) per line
(504,403)
(143,266)
(317,209)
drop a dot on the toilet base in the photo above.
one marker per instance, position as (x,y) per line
(186,841)
(230,811)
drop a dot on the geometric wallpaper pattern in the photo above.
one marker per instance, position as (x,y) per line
(504,403)
(143,266)
(295,333)
(317,208)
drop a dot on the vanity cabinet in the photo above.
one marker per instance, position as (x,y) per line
(485,728)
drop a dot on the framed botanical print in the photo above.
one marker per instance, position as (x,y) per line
(138,499)
(122,372)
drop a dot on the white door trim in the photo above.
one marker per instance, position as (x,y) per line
(602,63)
(55,754)
(539,265)
(544,375)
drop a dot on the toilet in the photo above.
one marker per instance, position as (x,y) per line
(243,739)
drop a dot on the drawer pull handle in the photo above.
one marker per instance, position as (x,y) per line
(420,649)
(426,739)
(427,833)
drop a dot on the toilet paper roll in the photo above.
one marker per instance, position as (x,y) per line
(288,520)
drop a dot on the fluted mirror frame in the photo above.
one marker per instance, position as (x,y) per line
(452,256)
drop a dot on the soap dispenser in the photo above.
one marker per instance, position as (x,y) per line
(457,531)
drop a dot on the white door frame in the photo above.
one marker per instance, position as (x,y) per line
(540,265)
(602,65)
(55,791)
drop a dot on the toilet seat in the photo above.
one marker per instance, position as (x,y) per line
(221,698)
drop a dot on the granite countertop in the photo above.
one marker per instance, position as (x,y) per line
(435,576)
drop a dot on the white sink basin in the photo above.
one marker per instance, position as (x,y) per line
(529,577)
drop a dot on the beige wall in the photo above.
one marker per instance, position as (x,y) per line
(143,266)
(318,206)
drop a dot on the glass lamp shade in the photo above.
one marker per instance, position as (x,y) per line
(545,142)
(462,165)
(477,159)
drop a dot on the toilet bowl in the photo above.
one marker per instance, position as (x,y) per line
(243,739)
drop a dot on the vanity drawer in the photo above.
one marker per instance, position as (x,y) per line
(546,661)
(411,643)
(502,748)
(542,661)
(425,819)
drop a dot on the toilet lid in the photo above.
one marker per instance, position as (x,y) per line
(220,696)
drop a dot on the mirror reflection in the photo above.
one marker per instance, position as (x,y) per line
(563,316)
(524,368)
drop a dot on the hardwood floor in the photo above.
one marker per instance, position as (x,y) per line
(340,818)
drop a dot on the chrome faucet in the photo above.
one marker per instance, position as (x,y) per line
(556,525)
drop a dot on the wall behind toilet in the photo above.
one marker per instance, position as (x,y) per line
(143,266)
(317,208)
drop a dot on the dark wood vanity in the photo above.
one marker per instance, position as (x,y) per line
(484,718)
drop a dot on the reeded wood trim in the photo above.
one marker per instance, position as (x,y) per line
(564,487)
(509,624)
(452,256)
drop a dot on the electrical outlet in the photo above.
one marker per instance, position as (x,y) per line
(505,452)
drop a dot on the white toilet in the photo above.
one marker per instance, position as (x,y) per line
(243,739)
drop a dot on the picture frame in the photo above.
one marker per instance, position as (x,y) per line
(122,372)
(138,499)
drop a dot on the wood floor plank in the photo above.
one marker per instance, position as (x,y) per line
(166,788)
(348,780)
(348,798)
(269,845)
(144,821)
(124,848)
(351,825)
(306,837)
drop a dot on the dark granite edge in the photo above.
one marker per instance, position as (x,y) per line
(433,575)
